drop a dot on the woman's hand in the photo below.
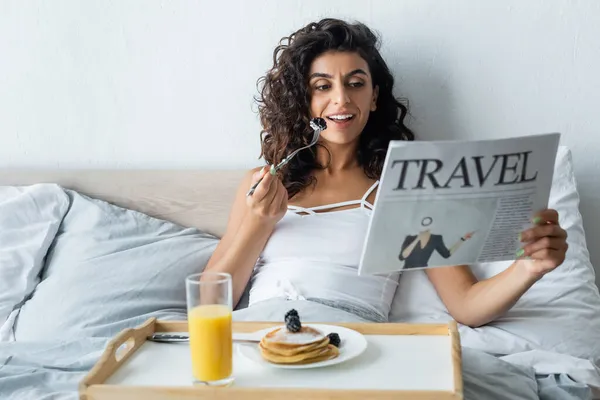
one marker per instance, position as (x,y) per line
(469,235)
(249,226)
(545,245)
(268,203)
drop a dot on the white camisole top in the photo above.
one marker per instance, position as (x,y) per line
(314,254)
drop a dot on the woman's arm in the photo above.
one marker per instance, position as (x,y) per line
(251,222)
(406,250)
(457,245)
(475,303)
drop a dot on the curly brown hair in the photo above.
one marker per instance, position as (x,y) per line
(284,101)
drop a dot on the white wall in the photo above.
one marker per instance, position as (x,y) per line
(148,83)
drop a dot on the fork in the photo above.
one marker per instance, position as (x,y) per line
(318,125)
(184,337)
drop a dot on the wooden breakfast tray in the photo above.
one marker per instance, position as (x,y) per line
(402,361)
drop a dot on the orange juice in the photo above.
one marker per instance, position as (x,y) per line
(211,342)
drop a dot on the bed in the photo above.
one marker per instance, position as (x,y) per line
(87,253)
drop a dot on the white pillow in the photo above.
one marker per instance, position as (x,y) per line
(29,219)
(560,313)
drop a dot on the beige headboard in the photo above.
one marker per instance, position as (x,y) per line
(198,198)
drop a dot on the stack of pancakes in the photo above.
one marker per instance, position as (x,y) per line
(281,346)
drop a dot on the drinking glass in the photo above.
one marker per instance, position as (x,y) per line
(209,305)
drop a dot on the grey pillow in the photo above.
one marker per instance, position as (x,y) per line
(29,219)
(110,268)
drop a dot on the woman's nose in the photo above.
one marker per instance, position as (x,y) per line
(340,95)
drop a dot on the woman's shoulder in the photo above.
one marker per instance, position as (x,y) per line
(239,203)
(250,173)
(247,179)
(255,169)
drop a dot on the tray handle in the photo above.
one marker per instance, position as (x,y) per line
(117,351)
(456,352)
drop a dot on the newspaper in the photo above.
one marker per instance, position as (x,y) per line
(444,203)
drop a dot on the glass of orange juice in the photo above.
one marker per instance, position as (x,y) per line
(209,304)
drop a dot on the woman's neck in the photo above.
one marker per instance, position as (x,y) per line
(337,158)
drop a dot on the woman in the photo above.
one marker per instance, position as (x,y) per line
(416,250)
(299,236)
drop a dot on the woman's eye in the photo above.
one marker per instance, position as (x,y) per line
(322,87)
(356,84)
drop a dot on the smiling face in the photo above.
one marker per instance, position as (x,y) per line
(341,91)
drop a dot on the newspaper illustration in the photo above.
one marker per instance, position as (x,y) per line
(445,203)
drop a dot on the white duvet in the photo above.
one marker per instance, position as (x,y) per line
(53,369)
(554,329)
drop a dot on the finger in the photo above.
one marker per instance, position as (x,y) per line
(270,196)
(284,201)
(259,173)
(548,216)
(540,231)
(554,257)
(279,197)
(544,243)
(263,188)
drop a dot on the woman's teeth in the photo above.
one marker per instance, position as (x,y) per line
(341,117)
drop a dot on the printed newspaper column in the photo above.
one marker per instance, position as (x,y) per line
(508,222)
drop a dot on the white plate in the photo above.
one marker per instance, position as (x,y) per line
(352,344)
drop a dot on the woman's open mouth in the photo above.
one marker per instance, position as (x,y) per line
(341,120)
